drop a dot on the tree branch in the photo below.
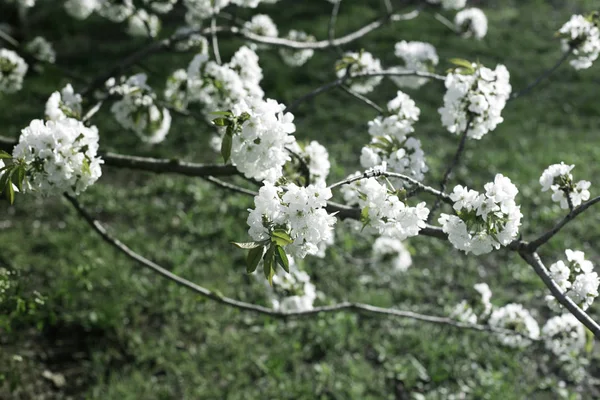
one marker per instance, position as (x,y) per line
(542,77)
(240,305)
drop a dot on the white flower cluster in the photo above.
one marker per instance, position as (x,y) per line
(259,144)
(449,4)
(516,318)
(483,221)
(136,109)
(41,50)
(61,156)
(297,58)
(387,249)
(471,22)
(199,10)
(383,212)
(161,6)
(417,56)
(189,40)
(474,312)
(390,144)
(575,278)
(64,104)
(558,177)
(564,335)
(81,9)
(317,160)
(219,87)
(581,35)
(115,10)
(357,64)
(12,71)
(23,3)
(300,211)
(475,96)
(262,25)
(292,291)
(143,24)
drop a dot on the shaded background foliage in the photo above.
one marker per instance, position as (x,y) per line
(114,330)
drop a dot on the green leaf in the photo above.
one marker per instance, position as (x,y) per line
(226,147)
(224,113)
(589,341)
(4,155)
(20,177)
(282,259)
(268,269)
(220,121)
(281,237)
(10,193)
(461,63)
(247,245)
(253,258)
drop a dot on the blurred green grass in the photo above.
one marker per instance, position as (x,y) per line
(117,331)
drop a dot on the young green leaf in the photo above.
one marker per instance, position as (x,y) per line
(268,269)
(220,121)
(4,155)
(281,237)
(282,259)
(226,147)
(253,258)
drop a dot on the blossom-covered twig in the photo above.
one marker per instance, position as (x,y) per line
(534,260)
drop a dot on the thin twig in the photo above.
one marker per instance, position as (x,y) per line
(444,21)
(342,80)
(535,244)
(240,305)
(230,186)
(215,40)
(362,98)
(451,166)
(534,260)
(332,21)
(542,77)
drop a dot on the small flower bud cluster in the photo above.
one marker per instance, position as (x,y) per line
(575,278)
(390,144)
(471,22)
(516,318)
(143,24)
(564,335)
(474,312)
(417,56)
(259,143)
(357,64)
(64,104)
(292,291)
(219,87)
(383,212)
(262,25)
(297,58)
(41,50)
(136,109)
(393,251)
(60,156)
(12,71)
(474,99)
(581,35)
(300,211)
(558,177)
(483,221)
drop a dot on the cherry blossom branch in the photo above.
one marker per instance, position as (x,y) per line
(533,259)
(535,244)
(375,173)
(332,21)
(244,306)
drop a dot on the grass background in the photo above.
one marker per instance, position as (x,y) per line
(116,331)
